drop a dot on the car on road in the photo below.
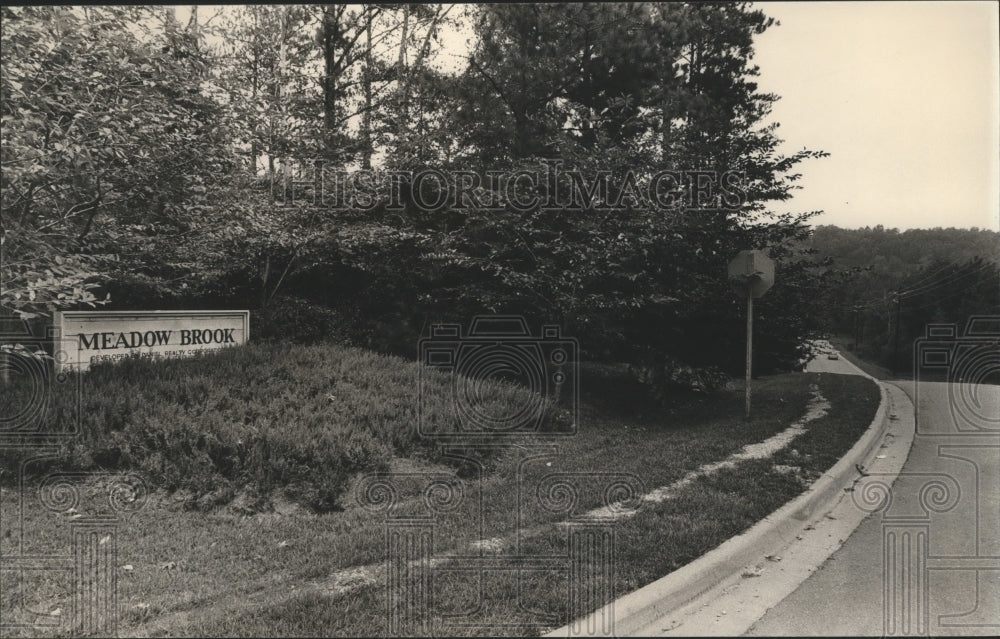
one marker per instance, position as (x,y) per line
(833,355)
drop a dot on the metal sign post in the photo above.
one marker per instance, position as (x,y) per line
(746,411)
(754,270)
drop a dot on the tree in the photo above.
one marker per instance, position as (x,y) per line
(112,137)
(612,93)
(638,281)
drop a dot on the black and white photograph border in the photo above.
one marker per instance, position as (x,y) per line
(537,319)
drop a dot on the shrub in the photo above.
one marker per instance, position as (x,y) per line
(261,417)
(672,376)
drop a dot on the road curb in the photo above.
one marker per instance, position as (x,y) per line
(638,609)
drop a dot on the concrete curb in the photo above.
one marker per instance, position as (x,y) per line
(642,607)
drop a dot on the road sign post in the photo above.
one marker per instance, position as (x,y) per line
(746,411)
(754,272)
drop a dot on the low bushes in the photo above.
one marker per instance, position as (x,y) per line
(264,416)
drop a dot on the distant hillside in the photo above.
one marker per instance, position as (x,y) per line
(903,252)
(919,275)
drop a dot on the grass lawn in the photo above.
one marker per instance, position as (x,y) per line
(288,571)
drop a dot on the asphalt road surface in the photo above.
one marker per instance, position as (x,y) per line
(928,562)
(822,364)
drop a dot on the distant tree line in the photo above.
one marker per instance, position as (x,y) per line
(140,152)
(894,283)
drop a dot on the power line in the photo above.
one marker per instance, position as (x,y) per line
(916,289)
(926,278)
(924,285)
(951,279)
(906,295)
(938,300)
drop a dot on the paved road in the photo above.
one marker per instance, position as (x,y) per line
(929,562)
(786,552)
(823,364)
(912,547)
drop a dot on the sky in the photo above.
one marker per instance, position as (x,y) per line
(905,96)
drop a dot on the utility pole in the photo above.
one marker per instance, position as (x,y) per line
(895,339)
(861,332)
(856,327)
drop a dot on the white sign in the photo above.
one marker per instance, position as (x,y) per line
(91,337)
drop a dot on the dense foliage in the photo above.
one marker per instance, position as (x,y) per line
(896,283)
(113,140)
(142,155)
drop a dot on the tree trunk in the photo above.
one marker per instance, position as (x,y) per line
(192,26)
(331,34)
(665,151)
(254,88)
(400,71)
(264,275)
(366,121)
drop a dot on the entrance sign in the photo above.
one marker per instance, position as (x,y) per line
(90,337)
(754,271)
